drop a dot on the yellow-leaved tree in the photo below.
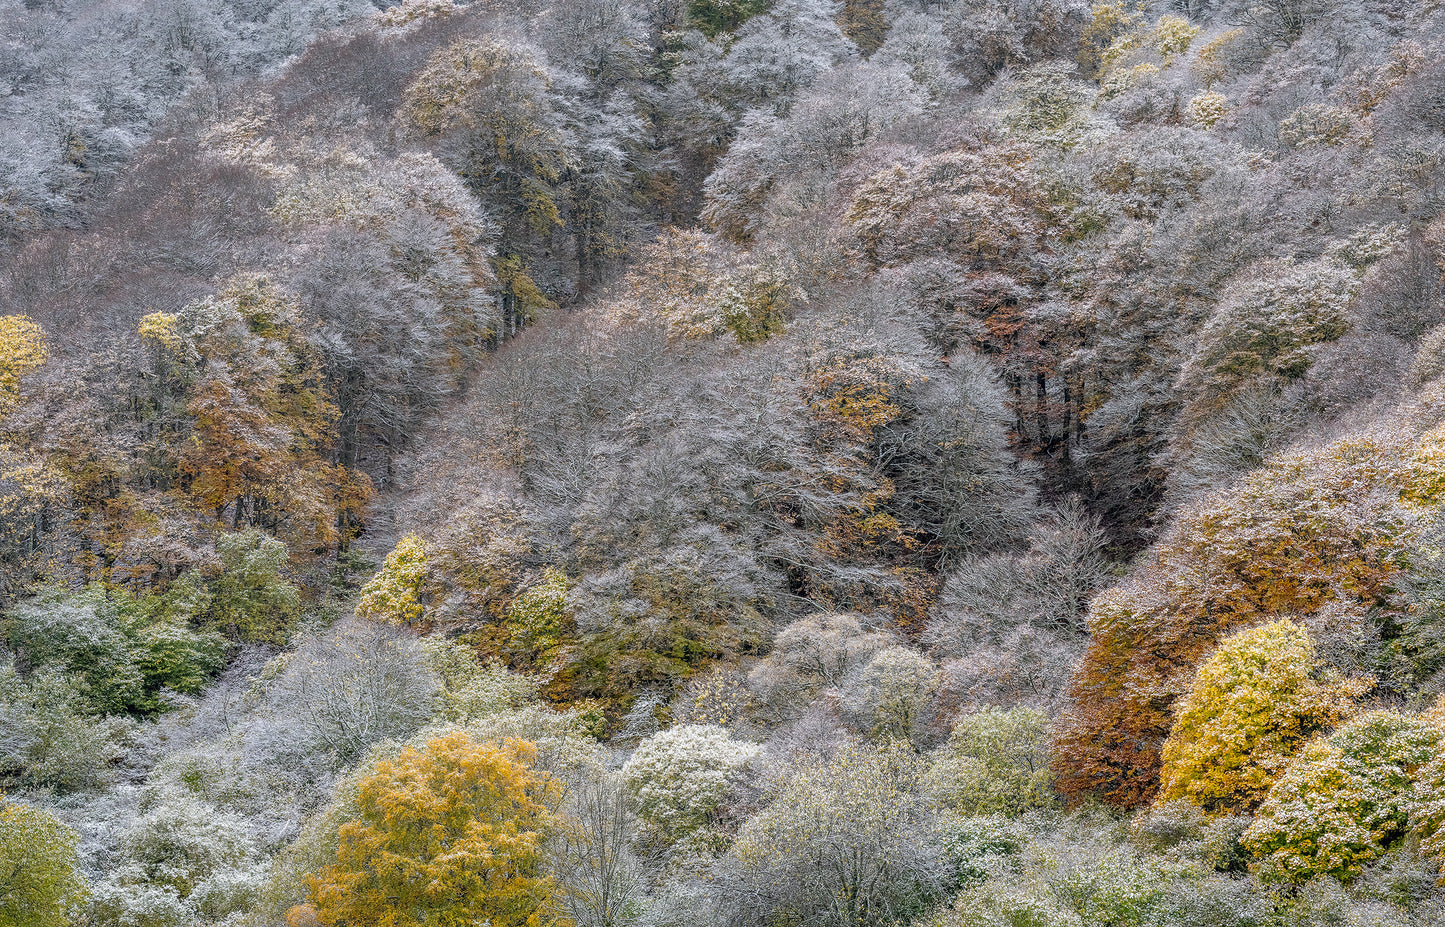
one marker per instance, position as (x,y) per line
(39,884)
(22,351)
(1253,705)
(447,835)
(394,594)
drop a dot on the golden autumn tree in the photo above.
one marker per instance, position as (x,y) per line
(447,835)
(1308,529)
(1253,705)
(22,351)
(264,419)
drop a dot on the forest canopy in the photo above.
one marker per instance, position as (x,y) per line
(684,463)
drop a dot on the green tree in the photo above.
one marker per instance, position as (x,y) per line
(995,762)
(39,884)
(252,600)
(846,843)
(539,618)
(678,778)
(1344,801)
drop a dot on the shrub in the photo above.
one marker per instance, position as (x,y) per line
(680,776)
(846,843)
(252,600)
(995,762)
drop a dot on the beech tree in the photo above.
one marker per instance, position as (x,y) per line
(1254,702)
(453,830)
(23,353)
(1344,801)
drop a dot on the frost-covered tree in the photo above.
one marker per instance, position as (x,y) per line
(1253,704)
(1343,801)
(39,882)
(678,778)
(844,844)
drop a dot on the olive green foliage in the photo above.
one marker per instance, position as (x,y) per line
(539,619)
(995,762)
(1344,801)
(81,635)
(1252,705)
(39,884)
(471,689)
(121,654)
(253,601)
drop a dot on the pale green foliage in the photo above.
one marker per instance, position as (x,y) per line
(995,762)
(393,595)
(1074,875)
(539,617)
(845,842)
(1252,705)
(1344,800)
(253,600)
(45,737)
(1427,803)
(679,776)
(889,693)
(182,841)
(39,884)
(471,689)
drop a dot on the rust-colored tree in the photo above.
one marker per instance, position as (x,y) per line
(1306,530)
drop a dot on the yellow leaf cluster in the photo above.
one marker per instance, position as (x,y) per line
(393,595)
(1253,705)
(22,351)
(447,835)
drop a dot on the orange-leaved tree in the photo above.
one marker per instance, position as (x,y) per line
(451,834)
(1308,529)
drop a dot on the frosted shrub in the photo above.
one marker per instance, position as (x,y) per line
(681,775)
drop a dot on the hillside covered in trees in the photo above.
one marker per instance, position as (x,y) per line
(722,463)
